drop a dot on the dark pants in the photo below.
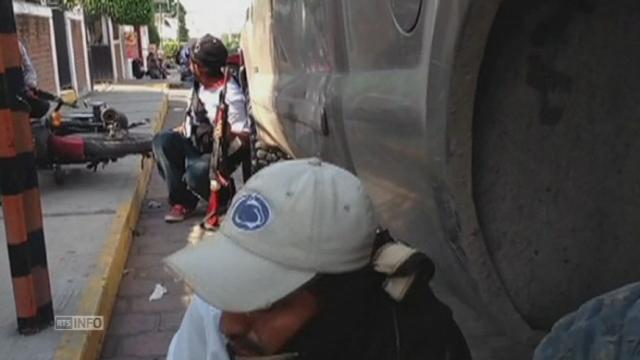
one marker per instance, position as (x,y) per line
(186,170)
(183,167)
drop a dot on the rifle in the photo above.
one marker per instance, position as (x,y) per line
(217,170)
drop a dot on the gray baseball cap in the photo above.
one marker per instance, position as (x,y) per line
(290,221)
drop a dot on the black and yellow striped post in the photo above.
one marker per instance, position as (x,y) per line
(19,186)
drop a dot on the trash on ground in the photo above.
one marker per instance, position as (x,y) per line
(153,204)
(158,292)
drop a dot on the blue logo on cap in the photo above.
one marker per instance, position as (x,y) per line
(252,212)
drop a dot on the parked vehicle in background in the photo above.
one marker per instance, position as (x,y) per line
(500,137)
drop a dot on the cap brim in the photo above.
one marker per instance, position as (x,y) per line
(233,279)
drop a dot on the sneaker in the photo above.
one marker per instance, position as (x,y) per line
(177,213)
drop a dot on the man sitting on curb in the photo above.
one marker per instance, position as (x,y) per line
(300,271)
(184,153)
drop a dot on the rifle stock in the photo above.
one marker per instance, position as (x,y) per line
(219,156)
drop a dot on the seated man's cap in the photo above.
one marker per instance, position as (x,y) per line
(290,221)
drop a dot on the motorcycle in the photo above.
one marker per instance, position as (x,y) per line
(95,137)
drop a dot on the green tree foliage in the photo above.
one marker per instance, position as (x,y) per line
(183,32)
(131,12)
(93,7)
(126,12)
(170,48)
(232,42)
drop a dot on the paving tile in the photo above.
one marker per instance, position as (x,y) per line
(158,236)
(171,320)
(161,248)
(143,261)
(128,324)
(122,306)
(169,303)
(158,272)
(110,347)
(131,286)
(145,345)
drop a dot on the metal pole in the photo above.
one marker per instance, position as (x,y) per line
(19,188)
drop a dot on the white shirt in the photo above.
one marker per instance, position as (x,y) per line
(29,73)
(238,118)
(199,336)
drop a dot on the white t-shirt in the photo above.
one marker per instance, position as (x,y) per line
(237,118)
(199,336)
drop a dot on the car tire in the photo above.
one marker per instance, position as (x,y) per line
(265,155)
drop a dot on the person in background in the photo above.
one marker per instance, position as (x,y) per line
(38,106)
(183,59)
(154,64)
(162,64)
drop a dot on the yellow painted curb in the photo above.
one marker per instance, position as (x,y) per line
(99,296)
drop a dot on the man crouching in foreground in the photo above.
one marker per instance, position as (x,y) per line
(299,271)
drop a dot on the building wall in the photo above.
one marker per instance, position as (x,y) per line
(79,50)
(35,33)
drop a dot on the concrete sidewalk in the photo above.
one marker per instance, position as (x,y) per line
(79,219)
(142,329)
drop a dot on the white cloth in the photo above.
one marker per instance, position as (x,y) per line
(199,336)
(238,118)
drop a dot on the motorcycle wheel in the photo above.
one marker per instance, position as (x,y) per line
(99,146)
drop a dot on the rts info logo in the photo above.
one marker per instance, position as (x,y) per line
(79,323)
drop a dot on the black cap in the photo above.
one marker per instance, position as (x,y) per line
(210,52)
